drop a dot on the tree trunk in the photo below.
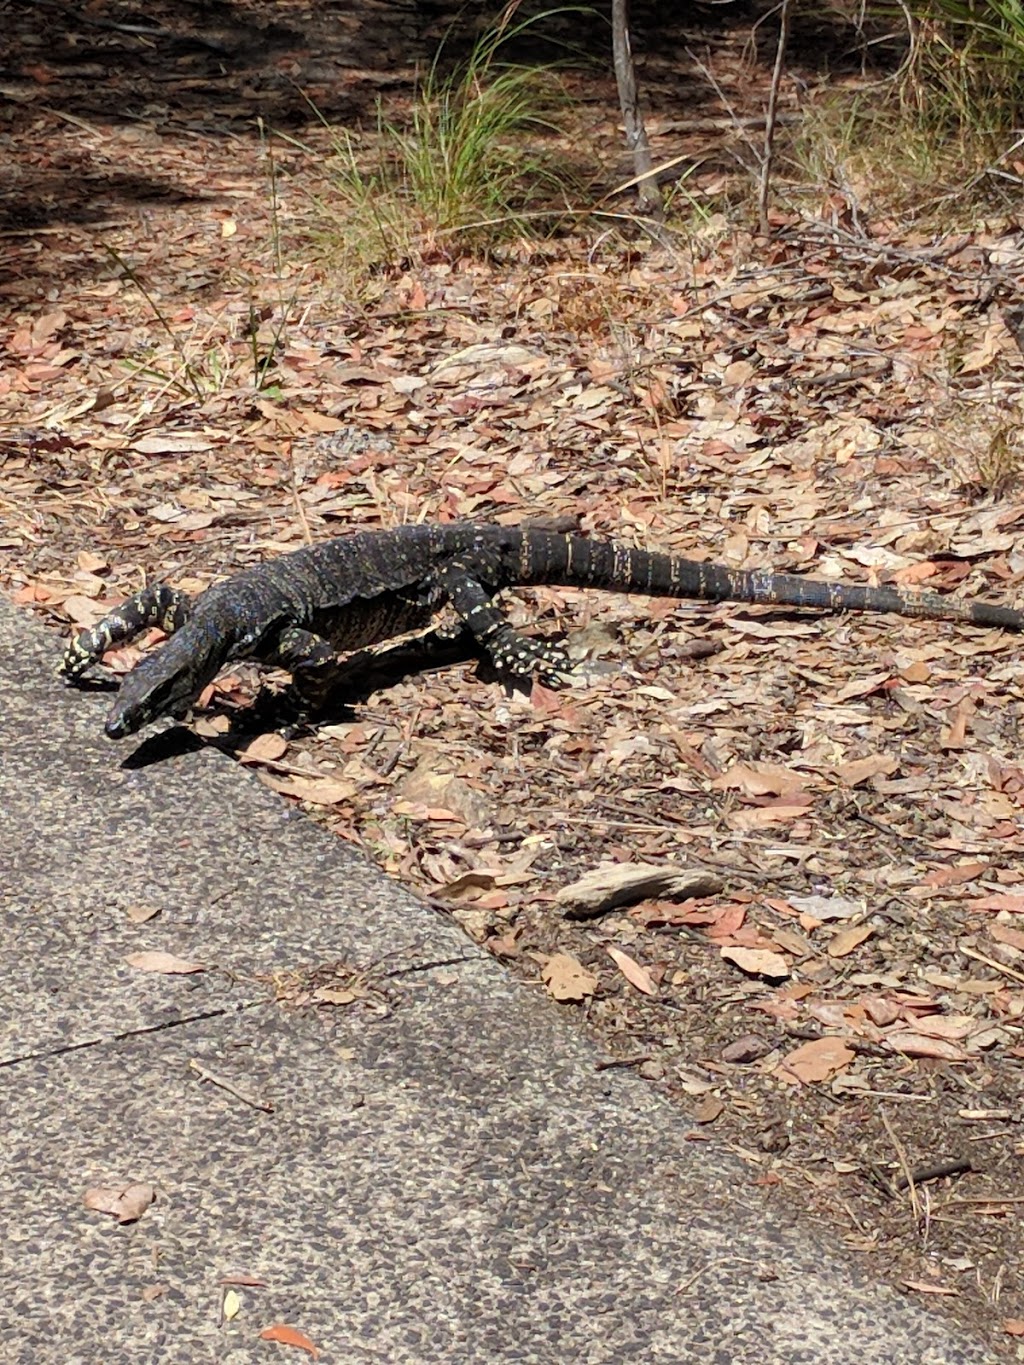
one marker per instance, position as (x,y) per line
(648,194)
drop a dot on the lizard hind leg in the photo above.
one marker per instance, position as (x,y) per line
(511,652)
(158,605)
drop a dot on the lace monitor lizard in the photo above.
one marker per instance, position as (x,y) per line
(299,610)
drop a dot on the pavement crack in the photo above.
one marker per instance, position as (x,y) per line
(418,967)
(106,1039)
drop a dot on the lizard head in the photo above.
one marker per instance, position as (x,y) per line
(165,683)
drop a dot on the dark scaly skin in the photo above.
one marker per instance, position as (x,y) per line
(299,611)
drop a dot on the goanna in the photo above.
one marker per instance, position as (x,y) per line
(301,610)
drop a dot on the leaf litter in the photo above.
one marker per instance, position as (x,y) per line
(853,785)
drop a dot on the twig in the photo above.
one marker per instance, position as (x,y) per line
(908,1177)
(958,1166)
(772,116)
(612,1063)
(232,1089)
(991,962)
(307,534)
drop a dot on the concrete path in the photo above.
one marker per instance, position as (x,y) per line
(443,1176)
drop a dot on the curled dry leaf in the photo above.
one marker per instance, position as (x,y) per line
(567,979)
(165,963)
(127,1203)
(632,970)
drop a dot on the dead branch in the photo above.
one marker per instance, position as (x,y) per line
(772,115)
(648,194)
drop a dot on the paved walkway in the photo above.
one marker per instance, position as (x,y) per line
(444,1176)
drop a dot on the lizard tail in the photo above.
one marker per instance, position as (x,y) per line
(576,561)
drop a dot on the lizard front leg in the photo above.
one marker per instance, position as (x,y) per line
(509,651)
(310,659)
(158,605)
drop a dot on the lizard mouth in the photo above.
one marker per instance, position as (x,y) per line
(117,727)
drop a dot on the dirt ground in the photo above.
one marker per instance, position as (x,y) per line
(189,383)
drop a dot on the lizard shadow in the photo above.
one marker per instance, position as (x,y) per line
(162,747)
(353,682)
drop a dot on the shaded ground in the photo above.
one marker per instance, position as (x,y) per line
(821,403)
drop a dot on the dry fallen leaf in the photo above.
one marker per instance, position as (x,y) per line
(264,749)
(861,769)
(231,1306)
(954,876)
(141,914)
(709,1109)
(165,963)
(318,791)
(763,817)
(848,939)
(1005,933)
(923,1287)
(127,1203)
(289,1336)
(818,1060)
(634,973)
(913,1044)
(758,962)
(761,779)
(85,611)
(567,979)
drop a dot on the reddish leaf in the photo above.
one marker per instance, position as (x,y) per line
(289,1336)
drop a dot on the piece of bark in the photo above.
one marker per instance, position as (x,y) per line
(617,884)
